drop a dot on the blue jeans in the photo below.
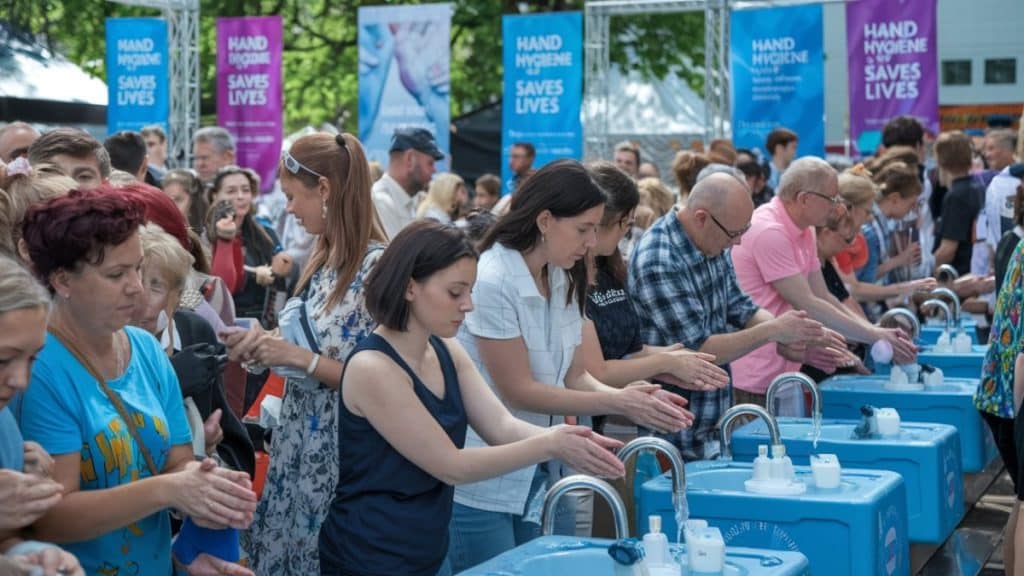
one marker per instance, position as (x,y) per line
(475,536)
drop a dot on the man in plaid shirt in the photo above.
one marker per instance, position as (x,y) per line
(685,291)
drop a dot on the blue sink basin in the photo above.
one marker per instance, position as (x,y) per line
(933,328)
(926,455)
(952,403)
(856,529)
(567,555)
(966,365)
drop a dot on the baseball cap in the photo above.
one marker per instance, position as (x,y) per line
(419,139)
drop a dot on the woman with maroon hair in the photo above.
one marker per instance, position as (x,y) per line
(105,402)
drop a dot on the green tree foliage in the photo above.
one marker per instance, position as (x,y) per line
(320,58)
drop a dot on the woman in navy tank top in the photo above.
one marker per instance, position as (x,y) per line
(408,392)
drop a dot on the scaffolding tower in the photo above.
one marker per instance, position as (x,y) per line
(596,91)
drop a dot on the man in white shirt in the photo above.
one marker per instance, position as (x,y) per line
(410,168)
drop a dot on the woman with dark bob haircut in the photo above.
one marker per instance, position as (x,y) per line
(523,336)
(408,393)
(105,402)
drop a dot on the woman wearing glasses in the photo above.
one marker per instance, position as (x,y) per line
(327,182)
(246,255)
(612,350)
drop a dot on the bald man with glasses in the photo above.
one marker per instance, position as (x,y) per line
(685,292)
(777,265)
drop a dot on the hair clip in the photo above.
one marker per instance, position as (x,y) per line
(340,139)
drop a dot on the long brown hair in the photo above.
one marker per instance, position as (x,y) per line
(352,220)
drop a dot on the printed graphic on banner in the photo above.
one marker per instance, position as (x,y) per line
(893,68)
(778,75)
(404,57)
(137,79)
(249,102)
(543,57)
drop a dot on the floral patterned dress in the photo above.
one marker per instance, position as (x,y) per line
(995,391)
(304,452)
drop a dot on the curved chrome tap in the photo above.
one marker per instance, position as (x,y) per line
(948,271)
(787,378)
(953,298)
(725,423)
(674,458)
(577,481)
(888,320)
(941,305)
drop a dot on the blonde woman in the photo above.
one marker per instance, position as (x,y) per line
(446,195)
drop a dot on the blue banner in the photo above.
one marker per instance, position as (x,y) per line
(404,59)
(137,73)
(778,76)
(543,57)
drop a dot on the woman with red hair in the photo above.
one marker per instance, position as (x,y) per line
(105,402)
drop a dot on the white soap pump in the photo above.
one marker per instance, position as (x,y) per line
(762,465)
(655,542)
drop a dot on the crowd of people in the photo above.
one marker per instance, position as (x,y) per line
(449,348)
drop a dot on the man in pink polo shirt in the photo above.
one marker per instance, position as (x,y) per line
(777,265)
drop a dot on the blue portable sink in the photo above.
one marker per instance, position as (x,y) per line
(567,555)
(926,455)
(856,529)
(950,403)
(930,332)
(952,365)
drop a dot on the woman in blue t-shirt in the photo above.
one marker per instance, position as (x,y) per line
(26,490)
(105,401)
(408,393)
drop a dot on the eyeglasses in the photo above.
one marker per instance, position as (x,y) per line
(294,165)
(729,233)
(834,200)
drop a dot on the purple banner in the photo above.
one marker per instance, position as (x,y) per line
(893,67)
(249,102)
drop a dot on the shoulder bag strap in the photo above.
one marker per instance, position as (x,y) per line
(114,398)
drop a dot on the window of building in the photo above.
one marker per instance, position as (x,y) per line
(956,72)
(1001,71)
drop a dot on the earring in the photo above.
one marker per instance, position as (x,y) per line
(543,238)
(323,210)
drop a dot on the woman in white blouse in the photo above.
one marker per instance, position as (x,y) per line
(523,335)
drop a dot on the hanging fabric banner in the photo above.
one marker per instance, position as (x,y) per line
(543,58)
(249,101)
(404,58)
(137,79)
(893,66)
(778,76)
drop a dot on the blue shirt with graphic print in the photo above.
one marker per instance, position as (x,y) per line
(65,410)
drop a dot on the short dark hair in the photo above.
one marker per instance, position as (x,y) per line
(72,142)
(420,250)
(76,229)
(903,131)
(127,151)
(779,137)
(751,169)
(530,151)
(566,189)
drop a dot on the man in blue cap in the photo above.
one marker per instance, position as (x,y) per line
(410,168)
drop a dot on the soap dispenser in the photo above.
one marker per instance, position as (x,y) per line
(655,542)
(962,343)
(762,465)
